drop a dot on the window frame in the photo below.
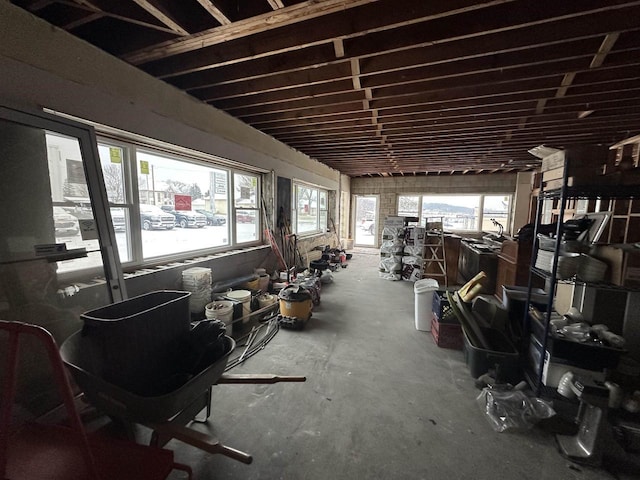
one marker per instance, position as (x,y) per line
(319,229)
(130,161)
(234,209)
(481,203)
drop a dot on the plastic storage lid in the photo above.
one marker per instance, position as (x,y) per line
(239,295)
(425,285)
(294,293)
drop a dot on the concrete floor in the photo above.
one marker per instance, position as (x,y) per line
(381,401)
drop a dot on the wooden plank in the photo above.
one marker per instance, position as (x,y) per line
(260,23)
(163,15)
(559,20)
(339,25)
(215,12)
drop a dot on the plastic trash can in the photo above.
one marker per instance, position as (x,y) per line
(423,290)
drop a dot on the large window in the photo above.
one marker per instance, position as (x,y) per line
(246,207)
(460,212)
(309,209)
(166,206)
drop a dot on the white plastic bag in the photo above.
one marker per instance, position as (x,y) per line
(512,410)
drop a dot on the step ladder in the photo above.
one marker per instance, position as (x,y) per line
(434,260)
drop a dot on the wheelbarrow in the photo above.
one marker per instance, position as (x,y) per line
(169,414)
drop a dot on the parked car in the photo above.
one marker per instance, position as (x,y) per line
(213,218)
(65,224)
(368,226)
(189,218)
(152,217)
(242,216)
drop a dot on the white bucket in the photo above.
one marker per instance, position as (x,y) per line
(221,310)
(423,290)
(266,300)
(244,297)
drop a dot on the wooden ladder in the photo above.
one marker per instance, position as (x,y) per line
(434,263)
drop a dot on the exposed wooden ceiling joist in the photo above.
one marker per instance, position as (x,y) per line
(389,87)
(161,14)
(215,12)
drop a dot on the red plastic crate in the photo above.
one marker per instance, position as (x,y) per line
(446,335)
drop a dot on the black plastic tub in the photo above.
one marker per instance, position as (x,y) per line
(128,340)
(502,359)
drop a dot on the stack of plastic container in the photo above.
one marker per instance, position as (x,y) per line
(197,280)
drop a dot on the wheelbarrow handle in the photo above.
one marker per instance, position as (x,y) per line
(200,440)
(234,453)
(230,378)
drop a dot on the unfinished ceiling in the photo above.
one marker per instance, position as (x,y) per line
(389,87)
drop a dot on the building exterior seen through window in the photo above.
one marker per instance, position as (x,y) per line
(459,212)
(162,206)
(309,212)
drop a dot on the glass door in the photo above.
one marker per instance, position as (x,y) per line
(57,255)
(366,221)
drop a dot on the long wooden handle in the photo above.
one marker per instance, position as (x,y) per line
(229,378)
(200,440)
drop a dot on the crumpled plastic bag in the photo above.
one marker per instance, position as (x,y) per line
(512,410)
(391,264)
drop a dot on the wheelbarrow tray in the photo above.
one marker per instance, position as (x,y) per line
(123,404)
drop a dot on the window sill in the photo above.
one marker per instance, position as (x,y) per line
(192,261)
(304,236)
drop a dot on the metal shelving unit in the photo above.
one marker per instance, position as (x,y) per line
(534,373)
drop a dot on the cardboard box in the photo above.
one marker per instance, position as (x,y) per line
(623,261)
(581,165)
(578,161)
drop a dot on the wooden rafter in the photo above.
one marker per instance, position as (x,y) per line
(215,12)
(161,14)
(389,88)
(282,17)
(276,4)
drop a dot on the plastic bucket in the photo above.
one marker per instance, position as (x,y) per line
(221,310)
(266,300)
(253,284)
(244,297)
(423,290)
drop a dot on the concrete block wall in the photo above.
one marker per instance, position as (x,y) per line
(224,267)
(435,184)
(389,188)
